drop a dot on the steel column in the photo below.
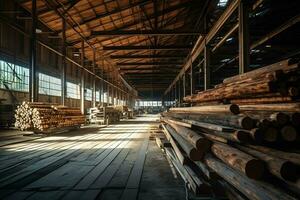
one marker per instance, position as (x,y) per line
(82,79)
(94,81)
(63,65)
(33,79)
(192,79)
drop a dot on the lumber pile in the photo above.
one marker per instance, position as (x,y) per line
(279,82)
(236,142)
(104,114)
(46,117)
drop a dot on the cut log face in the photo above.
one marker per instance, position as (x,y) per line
(289,133)
(240,161)
(289,171)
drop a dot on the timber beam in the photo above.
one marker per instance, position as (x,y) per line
(142,33)
(165,48)
(147,64)
(147,56)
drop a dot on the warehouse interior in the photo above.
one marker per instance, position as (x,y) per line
(150,99)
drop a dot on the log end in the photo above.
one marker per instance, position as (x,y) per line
(289,133)
(255,169)
(203,145)
(196,155)
(282,118)
(295,119)
(289,171)
(257,135)
(247,123)
(235,109)
(270,134)
(243,136)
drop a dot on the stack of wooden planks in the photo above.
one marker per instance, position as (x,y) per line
(243,135)
(105,114)
(279,82)
(47,117)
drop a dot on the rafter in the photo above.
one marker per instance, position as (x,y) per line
(165,48)
(147,56)
(143,33)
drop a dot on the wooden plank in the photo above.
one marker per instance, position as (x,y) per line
(107,175)
(102,164)
(133,182)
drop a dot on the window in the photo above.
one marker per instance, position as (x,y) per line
(98,96)
(73,90)
(148,103)
(88,94)
(105,97)
(49,85)
(14,77)
(222,3)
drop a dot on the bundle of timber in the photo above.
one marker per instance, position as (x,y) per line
(246,151)
(276,83)
(104,114)
(47,117)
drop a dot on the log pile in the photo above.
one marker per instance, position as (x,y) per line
(279,82)
(46,117)
(247,145)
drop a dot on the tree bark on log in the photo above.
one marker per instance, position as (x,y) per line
(250,166)
(254,190)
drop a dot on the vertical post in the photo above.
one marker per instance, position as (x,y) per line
(183,85)
(179,91)
(113,95)
(82,79)
(33,88)
(207,75)
(100,98)
(63,65)
(108,94)
(192,79)
(94,81)
(244,48)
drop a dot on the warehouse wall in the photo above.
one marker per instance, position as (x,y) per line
(15,47)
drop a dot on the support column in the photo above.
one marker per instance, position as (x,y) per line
(244,47)
(63,64)
(82,79)
(113,95)
(179,91)
(183,85)
(94,81)
(192,79)
(207,72)
(33,79)
(108,94)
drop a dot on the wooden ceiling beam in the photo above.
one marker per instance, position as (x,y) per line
(164,48)
(146,56)
(142,33)
(143,19)
(115,11)
(148,63)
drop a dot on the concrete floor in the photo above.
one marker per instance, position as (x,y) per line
(115,162)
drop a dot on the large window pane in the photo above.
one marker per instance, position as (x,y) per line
(14,77)
(73,90)
(49,85)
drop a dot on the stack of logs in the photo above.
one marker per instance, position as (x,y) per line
(246,150)
(279,82)
(47,117)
